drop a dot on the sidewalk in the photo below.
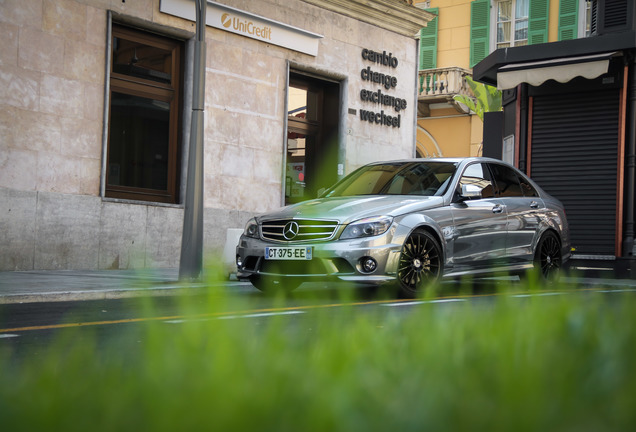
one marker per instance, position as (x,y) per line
(71,285)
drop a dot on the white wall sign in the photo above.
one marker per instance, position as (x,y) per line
(246,24)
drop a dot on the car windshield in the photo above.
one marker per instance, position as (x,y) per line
(396,178)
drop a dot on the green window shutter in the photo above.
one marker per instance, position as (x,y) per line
(568,19)
(479,30)
(538,22)
(428,43)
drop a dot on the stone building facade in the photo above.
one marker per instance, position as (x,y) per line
(80,86)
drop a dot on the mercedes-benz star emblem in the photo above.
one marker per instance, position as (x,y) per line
(291,230)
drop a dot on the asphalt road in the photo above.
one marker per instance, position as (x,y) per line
(30,327)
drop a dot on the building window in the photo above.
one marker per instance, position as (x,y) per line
(506,23)
(512,23)
(145,102)
(575,19)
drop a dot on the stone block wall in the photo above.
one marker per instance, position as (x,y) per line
(48,230)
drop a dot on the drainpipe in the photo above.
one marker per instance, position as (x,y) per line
(191,261)
(630,157)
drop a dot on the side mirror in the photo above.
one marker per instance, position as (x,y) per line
(471,191)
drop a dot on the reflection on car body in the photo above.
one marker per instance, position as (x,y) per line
(410,222)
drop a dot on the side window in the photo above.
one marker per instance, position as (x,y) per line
(145,84)
(477,174)
(506,181)
(527,188)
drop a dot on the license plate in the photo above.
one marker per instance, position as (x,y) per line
(288,253)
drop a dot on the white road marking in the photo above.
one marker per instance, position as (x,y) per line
(422,302)
(254,315)
(265,314)
(537,295)
(180,321)
(7,336)
(617,290)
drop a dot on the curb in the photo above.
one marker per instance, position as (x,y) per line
(114,294)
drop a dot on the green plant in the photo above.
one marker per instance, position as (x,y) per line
(486,98)
(553,363)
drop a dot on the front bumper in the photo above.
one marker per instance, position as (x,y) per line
(331,260)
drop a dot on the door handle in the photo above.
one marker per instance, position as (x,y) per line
(497,209)
(534,205)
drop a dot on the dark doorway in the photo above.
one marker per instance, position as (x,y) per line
(312,137)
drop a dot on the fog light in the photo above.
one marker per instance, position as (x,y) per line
(369,265)
(239,262)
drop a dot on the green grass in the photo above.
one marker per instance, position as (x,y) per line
(559,363)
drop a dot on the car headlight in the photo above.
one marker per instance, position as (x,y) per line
(367,227)
(251,229)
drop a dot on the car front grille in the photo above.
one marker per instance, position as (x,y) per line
(314,267)
(333,266)
(285,230)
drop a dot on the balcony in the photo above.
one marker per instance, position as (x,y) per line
(438,86)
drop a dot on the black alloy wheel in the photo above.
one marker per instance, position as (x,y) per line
(548,256)
(420,262)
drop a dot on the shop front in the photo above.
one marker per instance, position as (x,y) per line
(569,122)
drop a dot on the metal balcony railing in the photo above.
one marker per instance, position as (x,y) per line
(435,84)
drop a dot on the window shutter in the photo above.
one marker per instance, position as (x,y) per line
(568,19)
(428,43)
(538,22)
(479,30)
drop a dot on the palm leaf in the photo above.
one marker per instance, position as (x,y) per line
(486,98)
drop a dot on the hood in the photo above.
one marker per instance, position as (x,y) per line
(349,209)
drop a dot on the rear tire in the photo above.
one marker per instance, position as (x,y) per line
(548,259)
(420,263)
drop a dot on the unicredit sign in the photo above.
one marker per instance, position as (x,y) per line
(246,24)
(247,27)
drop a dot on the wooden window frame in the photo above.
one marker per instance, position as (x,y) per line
(167,92)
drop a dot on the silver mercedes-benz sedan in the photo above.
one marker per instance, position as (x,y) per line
(410,222)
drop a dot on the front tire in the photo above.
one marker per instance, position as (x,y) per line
(548,259)
(420,263)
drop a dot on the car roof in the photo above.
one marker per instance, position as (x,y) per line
(456,160)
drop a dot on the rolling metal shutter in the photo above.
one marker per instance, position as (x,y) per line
(574,157)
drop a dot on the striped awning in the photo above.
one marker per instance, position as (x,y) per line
(561,70)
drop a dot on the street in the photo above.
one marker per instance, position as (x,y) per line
(27,327)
